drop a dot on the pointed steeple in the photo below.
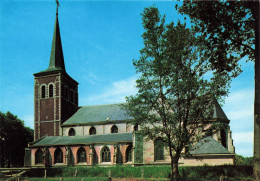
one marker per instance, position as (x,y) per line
(56,58)
(218,112)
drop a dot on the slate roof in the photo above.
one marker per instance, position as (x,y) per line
(98,114)
(83,140)
(218,112)
(209,145)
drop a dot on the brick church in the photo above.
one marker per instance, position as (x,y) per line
(66,134)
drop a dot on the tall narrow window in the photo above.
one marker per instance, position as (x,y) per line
(223,138)
(58,156)
(81,155)
(128,155)
(158,149)
(92,131)
(39,157)
(50,90)
(136,127)
(72,132)
(105,154)
(43,91)
(114,129)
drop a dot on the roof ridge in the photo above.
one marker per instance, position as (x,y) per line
(102,105)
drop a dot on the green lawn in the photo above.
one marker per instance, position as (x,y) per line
(203,173)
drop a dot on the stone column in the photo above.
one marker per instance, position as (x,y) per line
(67,156)
(91,152)
(114,161)
(46,156)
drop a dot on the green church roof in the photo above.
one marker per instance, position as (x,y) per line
(84,140)
(209,145)
(108,113)
(98,114)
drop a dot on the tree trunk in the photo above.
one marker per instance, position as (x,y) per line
(257,101)
(175,170)
(175,176)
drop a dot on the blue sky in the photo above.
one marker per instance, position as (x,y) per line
(99,39)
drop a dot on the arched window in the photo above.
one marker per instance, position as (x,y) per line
(50,90)
(223,138)
(58,156)
(81,155)
(43,91)
(128,153)
(136,127)
(92,131)
(158,149)
(105,154)
(39,157)
(72,132)
(114,129)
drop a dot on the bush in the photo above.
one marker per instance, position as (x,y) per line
(187,173)
(214,172)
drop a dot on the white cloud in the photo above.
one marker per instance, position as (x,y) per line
(241,96)
(247,152)
(243,143)
(239,107)
(114,93)
(246,137)
(245,113)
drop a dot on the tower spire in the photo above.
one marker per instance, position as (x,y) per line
(56,58)
(58,5)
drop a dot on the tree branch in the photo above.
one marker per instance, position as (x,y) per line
(242,44)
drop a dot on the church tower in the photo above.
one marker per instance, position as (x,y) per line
(55,92)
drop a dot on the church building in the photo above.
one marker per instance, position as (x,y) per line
(66,134)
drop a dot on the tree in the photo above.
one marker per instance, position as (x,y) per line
(240,160)
(231,30)
(176,87)
(14,138)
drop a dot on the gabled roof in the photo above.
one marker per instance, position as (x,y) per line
(98,114)
(84,140)
(209,145)
(113,113)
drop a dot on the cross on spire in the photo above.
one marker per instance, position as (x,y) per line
(58,5)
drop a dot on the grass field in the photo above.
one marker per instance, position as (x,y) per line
(203,173)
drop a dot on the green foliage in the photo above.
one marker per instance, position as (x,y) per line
(14,138)
(228,28)
(240,160)
(69,179)
(233,172)
(177,89)
(138,151)
(214,172)
(157,171)
(231,32)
